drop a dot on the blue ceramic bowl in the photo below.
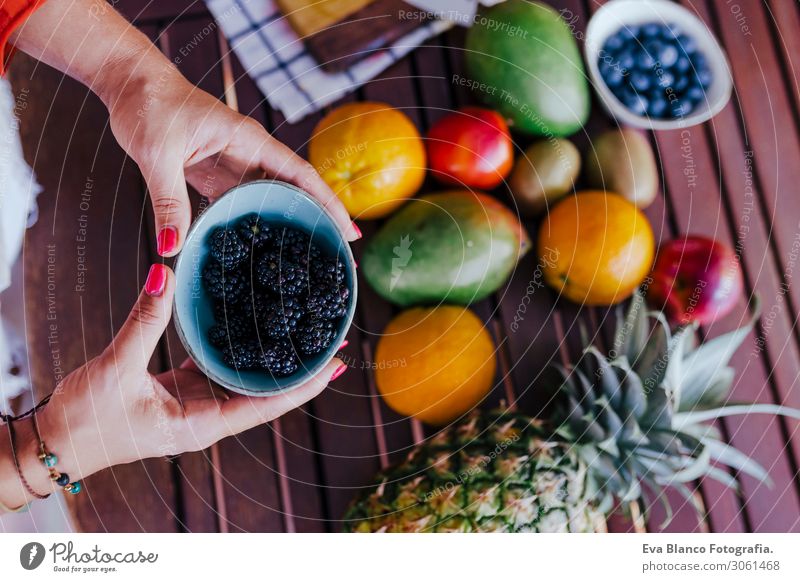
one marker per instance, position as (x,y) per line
(277,203)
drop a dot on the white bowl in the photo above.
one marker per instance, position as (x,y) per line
(618,13)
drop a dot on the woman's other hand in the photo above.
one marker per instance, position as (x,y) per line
(176,133)
(112,410)
(172,130)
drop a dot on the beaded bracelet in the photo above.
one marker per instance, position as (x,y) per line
(48,459)
(61,479)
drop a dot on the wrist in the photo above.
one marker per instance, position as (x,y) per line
(20,469)
(70,443)
(141,75)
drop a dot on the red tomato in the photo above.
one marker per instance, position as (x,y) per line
(471,147)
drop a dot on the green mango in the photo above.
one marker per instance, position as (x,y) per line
(523,60)
(455,247)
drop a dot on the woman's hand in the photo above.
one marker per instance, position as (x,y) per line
(112,410)
(176,133)
(173,130)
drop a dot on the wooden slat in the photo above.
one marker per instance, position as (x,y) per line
(299,479)
(769,375)
(248,464)
(73,153)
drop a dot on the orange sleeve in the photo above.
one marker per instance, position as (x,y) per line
(12,14)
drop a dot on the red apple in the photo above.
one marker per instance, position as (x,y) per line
(695,279)
(471,147)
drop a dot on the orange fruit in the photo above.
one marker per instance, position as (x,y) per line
(596,248)
(371,156)
(434,364)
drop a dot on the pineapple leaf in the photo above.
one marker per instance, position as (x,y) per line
(736,459)
(683,419)
(659,411)
(701,369)
(634,401)
(723,477)
(696,469)
(652,361)
(632,329)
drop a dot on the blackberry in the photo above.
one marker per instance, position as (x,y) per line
(327,303)
(218,336)
(310,255)
(231,330)
(278,318)
(224,310)
(244,355)
(281,277)
(228,286)
(227,248)
(295,245)
(279,359)
(327,271)
(254,232)
(314,335)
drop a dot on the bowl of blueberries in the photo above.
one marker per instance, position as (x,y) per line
(265,289)
(655,64)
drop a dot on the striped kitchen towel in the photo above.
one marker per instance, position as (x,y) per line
(274,56)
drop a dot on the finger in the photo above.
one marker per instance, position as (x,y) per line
(244,412)
(280,161)
(188,364)
(139,336)
(173,213)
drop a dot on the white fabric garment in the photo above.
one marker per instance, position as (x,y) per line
(18,191)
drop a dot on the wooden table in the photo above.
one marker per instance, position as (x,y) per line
(86,258)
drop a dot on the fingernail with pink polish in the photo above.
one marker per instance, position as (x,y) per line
(167,240)
(345,343)
(156,280)
(355,228)
(339,371)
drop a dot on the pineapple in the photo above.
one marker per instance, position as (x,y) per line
(626,426)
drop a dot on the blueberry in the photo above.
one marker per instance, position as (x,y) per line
(699,61)
(704,77)
(666,79)
(674,30)
(695,94)
(658,107)
(625,59)
(683,64)
(652,30)
(613,76)
(668,55)
(613,43)
(641,81)
(628,32)
(681,107)
(620,91)
(681,82)
(687,43)
(637,104)
(645,61)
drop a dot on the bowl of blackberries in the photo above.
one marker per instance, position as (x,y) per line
(655,65)
(265,289)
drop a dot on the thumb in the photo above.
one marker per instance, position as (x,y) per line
(139,336)
(173,212)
